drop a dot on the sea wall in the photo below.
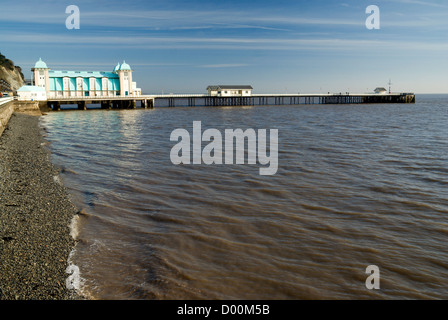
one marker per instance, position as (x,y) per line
(6,110)
(8,106)
(28,107)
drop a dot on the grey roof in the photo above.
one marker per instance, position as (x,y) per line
(230,87)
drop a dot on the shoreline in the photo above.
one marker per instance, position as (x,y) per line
(35,217)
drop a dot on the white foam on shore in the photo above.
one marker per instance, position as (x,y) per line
(74,281)
(74,227)
(57,180)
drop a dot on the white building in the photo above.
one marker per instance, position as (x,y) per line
(31,93)
(230,91)
(380,90)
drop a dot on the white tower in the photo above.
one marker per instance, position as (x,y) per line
(125,74)
(41,77)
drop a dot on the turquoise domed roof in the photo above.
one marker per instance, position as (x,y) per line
(117,67)
(125,66)
(40,64)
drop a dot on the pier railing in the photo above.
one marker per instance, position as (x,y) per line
(100,98)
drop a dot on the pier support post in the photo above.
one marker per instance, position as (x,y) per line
(56,106)
(105,105)
(82,105)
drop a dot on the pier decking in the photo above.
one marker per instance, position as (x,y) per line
(281,99)
(190,100)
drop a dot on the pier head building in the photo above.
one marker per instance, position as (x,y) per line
(65,84)
(230,91)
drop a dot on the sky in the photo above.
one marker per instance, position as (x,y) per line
(277,46)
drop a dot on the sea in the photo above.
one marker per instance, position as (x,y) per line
(357,186)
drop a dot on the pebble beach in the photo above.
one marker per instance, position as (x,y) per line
(35,216)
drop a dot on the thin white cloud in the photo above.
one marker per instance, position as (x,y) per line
(171,19)
(175,20)
(422,3)
(225,65)
(228,43)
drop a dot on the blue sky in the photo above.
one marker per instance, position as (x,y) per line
(275,46)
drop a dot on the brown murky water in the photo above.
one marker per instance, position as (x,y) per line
(357,185)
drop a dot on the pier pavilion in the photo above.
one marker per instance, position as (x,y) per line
(64,84)
(230,91)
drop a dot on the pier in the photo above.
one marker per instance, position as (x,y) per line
(279,99)
(205,100)
(117,90)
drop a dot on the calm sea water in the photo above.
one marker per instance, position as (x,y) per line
(357,185)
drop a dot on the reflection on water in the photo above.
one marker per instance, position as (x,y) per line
(357,185)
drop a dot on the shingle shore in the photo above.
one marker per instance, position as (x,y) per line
(35,214)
